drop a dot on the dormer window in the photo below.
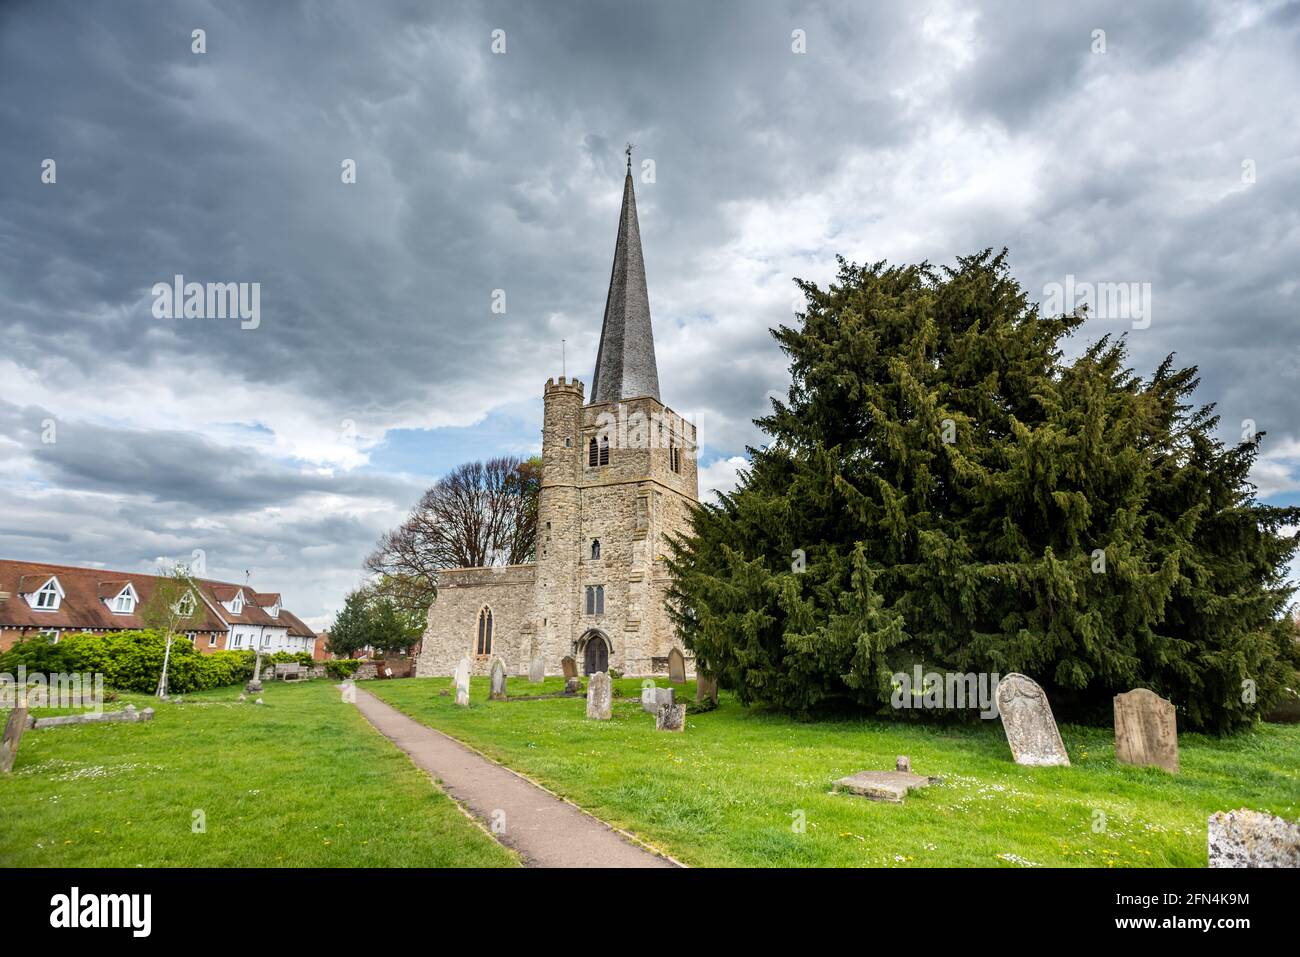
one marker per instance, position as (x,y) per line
(49,597)
(237,604)
(185,606)
(124,603)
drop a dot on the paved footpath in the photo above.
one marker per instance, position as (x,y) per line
(546,830)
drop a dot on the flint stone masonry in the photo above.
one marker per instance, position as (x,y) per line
(670,717)
(1146,732)
(599,697)
(1245,838)
(1028,722)
(889,787)
(630,504)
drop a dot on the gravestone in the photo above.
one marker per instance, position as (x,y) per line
(537,670)
(670,717)
(653,698)
(498,691)
(903,763)
(887,786)
(573,685)
(14,729)
(461,678)
(1028,722)
(676,667)
(570,666)
(1251,839)
(706,687)
(1146,733)
(599,696)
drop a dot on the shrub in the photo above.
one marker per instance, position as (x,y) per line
(341,668)
(132,661)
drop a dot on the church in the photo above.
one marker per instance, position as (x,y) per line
(618,480)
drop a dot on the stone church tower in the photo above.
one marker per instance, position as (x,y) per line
(619,477)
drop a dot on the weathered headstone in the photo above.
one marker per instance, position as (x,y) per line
(1028,722)
(573,685)
(903,763)
(461,677)
(570,666)
(1146,732)
(537,670)
(498,690)
(1246,838)
(706,687)
(14,729)
(677,667)
(649,702)
(670,717)
(599,696)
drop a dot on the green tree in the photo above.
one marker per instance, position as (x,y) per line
(352,629)
(941,487)
(172,606)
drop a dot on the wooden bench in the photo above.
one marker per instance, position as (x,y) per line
(292,671)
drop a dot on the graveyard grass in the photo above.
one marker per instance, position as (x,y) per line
(731,790)
(300,781)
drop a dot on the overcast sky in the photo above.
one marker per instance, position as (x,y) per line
(1166,151)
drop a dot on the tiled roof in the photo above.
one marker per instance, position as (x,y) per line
(87,591)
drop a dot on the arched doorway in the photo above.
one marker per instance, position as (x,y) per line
(595,653)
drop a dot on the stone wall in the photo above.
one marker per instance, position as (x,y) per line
(452,630)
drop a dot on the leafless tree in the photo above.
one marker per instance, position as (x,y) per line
(480,513)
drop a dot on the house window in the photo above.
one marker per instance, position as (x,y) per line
(51,635)
(124,603)
(484,644)
(595,599)
(185,607)
(212,639)
(47,599)
(595,549)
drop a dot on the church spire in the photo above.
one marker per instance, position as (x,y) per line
(625,362)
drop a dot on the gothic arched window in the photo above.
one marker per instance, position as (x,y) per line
(595,548)
(484,644)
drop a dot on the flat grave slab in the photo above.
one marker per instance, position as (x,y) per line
(888,786)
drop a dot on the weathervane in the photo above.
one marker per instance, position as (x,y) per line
(628,151)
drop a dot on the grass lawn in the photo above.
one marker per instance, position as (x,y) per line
(731,789)
(301,781)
